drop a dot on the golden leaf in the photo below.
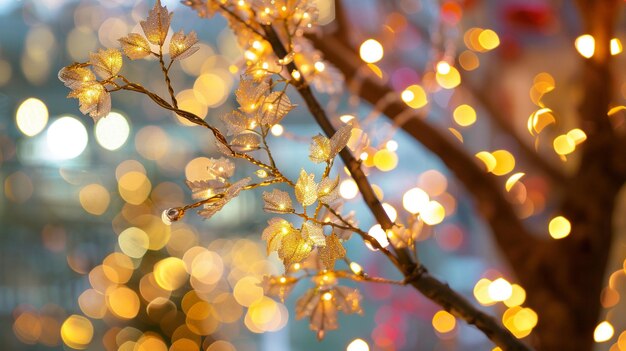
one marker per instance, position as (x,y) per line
(231,192)
(294,249)
(348,300)
(249,94)
(328,190)
(321,305)
(275,107)
(221,168)
(276,230)
(332,252)
(182,46)
(236,122)
(340,139)
(93,99)
(245,142)
(135,46)
(313,232)
(156,26)
(106,63)
(279,287)
(319,151)
(73,76)
(203,189)
(306,189)
(277,201)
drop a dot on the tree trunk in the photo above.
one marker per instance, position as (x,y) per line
(565,278)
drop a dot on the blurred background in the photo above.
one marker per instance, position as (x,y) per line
(87,263)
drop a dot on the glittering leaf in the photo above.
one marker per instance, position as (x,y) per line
(236,122)
(332,252)
(249,94)
(213,207)
(328,190)
(313,232)
(306,189)
(399,236)
(340,139)
(319,151)
(135,46)
(306,303)
(277,201)
(294,249)
(279,287)
(93,99)
(203,189)
(221,168)
(276,230)
(106,63)
(156,26)
(223,149)
(324,317)
(73,76)
(182,46)
(245,142)
(275,107)
(348,300)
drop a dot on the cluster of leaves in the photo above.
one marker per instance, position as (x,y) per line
(316,242)
(93,94)
(290,19)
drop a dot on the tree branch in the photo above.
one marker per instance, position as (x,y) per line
(509,232)
(416,274)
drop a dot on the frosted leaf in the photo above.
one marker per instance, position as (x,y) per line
(340,139)
(236,122)
(294,249)
(277,201)
(319,151)
(319,306)
(75,75)
(213,207)
(306,189)
(221,168)
(313,232)
(156,26)
(245,142)
(93,99)
(348,300)
(328,190)
(279,287)
(276,230)
(203,189)
(306,303)
(106,63)
(249,94)
(223,149)
(135,46)
(331,252)
(324,317)
(182,46)
(275,107)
